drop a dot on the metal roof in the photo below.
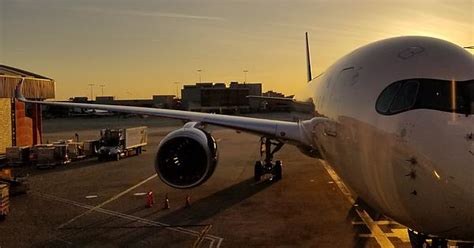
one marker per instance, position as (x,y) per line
(21,72)
(36,86)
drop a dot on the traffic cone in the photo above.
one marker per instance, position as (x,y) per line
(149,199)
(167,203)
(188,201)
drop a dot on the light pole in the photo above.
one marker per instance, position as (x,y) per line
(245,75)
(199,71)
(177,85)
(102,88)
(92,90)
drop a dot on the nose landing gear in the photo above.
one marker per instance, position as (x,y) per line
(419,240)
(267,166)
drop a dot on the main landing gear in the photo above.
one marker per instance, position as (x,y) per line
(267,166)
(419,240)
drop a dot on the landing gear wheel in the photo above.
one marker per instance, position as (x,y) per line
(439,243)
(417,240)
(268,147)
(258,171)
(117,157)
(277,170)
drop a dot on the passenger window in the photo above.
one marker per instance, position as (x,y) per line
(386,97)
(405,98)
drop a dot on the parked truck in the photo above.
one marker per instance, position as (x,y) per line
(120,143)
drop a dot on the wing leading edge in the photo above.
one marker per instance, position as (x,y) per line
(290,131)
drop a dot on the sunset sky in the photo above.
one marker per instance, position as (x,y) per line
(138,48)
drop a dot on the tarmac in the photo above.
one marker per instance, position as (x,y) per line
(103,204)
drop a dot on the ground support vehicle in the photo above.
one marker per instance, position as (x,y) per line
(120,143)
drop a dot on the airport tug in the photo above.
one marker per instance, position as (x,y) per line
(267,166)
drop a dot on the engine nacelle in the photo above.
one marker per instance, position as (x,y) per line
(186,157)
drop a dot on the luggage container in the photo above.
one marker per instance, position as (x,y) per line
(90,147)
(75,150)
(18,155)
(51,155)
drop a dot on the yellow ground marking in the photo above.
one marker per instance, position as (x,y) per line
(375,230)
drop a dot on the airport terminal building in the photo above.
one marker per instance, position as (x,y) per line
(20,123)
(217,97)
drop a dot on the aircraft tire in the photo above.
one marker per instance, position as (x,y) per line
(277,170)
(258,171)
(416,240)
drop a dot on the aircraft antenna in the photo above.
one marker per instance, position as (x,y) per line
(308,59)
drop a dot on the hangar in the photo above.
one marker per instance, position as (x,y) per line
(20,123)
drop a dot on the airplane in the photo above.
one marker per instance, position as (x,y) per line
(394,119)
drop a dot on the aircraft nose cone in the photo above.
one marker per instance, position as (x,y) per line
(440,158)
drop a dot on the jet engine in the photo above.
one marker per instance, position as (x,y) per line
(186,157)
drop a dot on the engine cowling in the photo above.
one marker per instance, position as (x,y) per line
(186,157)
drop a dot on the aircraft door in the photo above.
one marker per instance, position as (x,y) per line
(338,130)
(338,90)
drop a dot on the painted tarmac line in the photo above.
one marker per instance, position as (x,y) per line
(379,235)
(202,234)
(193,233)
(107,201)
(379,222)
(375,230)
(403,238)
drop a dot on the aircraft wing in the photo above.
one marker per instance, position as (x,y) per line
(282,99)
(288,100)
(284,130)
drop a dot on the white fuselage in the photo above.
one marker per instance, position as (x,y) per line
(416,166)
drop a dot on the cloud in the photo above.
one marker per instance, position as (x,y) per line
(175,15)
(150,14)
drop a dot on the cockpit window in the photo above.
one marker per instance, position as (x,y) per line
(443,95)
(405,98)
(436,95)
(386,98)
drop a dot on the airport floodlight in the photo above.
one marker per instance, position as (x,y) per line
(199,71)
(102,88)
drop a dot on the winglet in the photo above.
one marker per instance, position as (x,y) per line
(18,94)
(308,58)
